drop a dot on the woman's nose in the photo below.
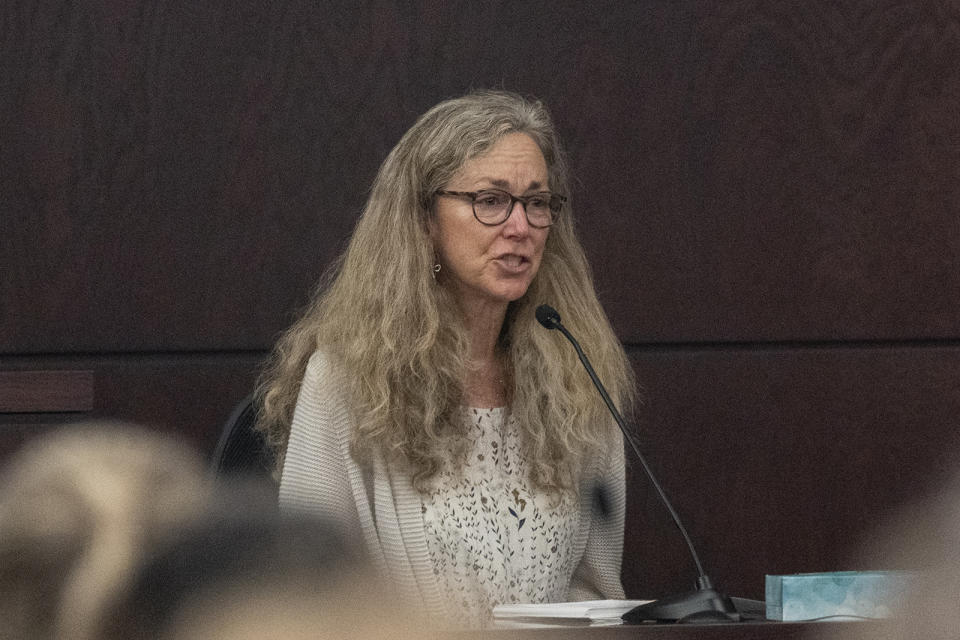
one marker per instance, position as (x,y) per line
(516,223)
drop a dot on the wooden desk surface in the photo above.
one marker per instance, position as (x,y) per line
(738,631)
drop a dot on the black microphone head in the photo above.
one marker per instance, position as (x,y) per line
(548,316)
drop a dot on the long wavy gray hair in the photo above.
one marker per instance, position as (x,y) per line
(399,336)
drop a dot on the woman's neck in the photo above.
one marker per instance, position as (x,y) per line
(484,386)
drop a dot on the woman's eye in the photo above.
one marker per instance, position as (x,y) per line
(489,199)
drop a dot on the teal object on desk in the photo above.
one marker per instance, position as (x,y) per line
(808,596)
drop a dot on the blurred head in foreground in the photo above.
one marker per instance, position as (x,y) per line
(76,509)
(239,573)
(112,531)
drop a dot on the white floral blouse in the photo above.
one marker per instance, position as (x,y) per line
(491,537)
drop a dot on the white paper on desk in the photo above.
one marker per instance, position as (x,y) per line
(585,612)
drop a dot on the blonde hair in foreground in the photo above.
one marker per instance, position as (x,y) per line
(399,338)
(77,509)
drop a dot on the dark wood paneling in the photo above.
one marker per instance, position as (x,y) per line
(783,460)
(175,177)
(789,170)
(190,396)
(45,391)
(178,177)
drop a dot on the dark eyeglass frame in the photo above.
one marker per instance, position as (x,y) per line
(523,200)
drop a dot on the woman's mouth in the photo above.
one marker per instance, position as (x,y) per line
(513,263)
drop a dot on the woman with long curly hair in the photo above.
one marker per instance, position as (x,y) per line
(418,403)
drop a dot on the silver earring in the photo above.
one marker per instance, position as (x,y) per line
(435,270)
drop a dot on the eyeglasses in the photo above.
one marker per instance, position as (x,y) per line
(493,206)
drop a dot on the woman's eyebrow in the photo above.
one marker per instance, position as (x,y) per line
(503,184)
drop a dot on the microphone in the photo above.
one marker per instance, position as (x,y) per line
(705,604)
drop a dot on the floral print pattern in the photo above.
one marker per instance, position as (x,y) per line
(492,537)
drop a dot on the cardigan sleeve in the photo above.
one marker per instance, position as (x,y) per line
(316,477)
(597,576)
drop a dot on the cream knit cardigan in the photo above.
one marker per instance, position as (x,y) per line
(382,508)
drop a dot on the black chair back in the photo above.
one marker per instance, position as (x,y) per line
(242,450)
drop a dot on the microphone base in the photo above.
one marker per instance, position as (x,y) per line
(705,606)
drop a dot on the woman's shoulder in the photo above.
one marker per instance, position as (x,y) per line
(323,383)
(323,368)
(322,417)
(319,360)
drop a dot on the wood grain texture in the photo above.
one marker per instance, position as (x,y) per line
(796,178)
(742,631)
(46,391)
(759,183)
(187,396)
(178,177)
(783,460)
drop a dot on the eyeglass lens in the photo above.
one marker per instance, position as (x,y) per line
(494,206)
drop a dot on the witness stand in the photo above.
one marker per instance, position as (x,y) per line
(753,630)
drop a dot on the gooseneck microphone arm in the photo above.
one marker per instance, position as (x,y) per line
(705,603)
(551,320)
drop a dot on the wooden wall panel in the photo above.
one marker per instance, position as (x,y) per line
(187,395)
(793,175)
(178,177)
(783,460)
(46,391)
(768,191)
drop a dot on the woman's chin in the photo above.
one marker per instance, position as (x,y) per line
(502,291)
(514,293)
